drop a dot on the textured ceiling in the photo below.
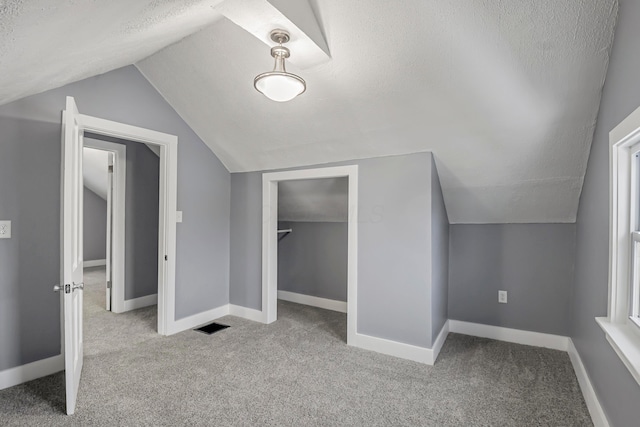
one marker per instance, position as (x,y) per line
(46,44)
(505,93)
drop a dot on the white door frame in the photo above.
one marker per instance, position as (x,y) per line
(111,166)
(168,202)
(118,218)
(270,239)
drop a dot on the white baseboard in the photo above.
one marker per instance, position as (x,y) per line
(439,342)
(593,404)
(94,263)
(31,371)
(327,304)
(427,356)
(556,342)
(246,313)
(196,320)
(393,348)
(136,303)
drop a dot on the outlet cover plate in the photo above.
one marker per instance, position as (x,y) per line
(502,297)
(5,229)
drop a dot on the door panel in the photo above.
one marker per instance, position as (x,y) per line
(72,253)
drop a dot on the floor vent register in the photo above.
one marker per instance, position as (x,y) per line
(211,328)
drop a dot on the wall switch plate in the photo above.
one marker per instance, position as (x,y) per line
(502,297)
(5,229)
(178,216)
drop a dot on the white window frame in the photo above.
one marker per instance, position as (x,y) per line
(635,256)
(623,332)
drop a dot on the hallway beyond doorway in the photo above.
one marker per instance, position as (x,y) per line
(105,331)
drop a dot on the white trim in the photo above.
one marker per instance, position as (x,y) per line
(517,336)
(192,322)
(141,302)
(590,397)
(168,206)
(628,129)
(31,371)
(270,239)
(394,348)
(428,356)
(327,304)
(624,342)
(439,341)
(94,263)
(245,313)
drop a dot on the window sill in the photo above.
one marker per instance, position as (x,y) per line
(626,343)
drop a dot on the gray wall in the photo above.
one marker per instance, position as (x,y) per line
(30,260)
(532,262)
(393,239)
(439,256)
(617,390)
(30,196)
(95,226)
(312,260)
(141,221)
(245,287)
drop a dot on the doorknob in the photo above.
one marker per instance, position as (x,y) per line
(67,288)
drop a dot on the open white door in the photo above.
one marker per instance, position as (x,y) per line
(72,257)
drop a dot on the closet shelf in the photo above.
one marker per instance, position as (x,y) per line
(284,233)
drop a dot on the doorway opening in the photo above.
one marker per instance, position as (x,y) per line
(121,210)
(270,237)
(100,133)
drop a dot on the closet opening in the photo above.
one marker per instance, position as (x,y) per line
(310,241)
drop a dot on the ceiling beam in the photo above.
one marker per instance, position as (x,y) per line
(258,17)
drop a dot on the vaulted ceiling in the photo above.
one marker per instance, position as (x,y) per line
(504,93)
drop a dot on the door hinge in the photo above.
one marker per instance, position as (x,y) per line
(110,169)
(108,284)
(166,258)
(67,289)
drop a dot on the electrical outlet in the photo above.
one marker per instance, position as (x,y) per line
(5,229)
(502,297)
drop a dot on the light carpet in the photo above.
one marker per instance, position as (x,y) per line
(297,371)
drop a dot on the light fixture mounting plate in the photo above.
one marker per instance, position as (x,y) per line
(279,36)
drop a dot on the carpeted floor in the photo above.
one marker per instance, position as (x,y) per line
(297,371)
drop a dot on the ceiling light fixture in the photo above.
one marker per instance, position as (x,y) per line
(278,85)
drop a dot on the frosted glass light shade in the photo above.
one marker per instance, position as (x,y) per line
(279,86)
